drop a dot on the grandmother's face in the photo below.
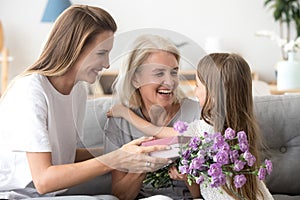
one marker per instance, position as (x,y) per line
(157,79)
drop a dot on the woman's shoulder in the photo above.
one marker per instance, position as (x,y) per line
(25,86)
(190,103)
(28,82)
(117,124)
(189,100)
(189,110)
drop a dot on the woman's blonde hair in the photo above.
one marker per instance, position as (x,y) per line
(229,103)
(75,28)
(143,47)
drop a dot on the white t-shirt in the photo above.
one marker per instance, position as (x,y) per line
(35,117)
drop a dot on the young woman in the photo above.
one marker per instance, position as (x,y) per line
(42,113)
(148,85)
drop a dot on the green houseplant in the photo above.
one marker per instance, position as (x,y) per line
(287,13)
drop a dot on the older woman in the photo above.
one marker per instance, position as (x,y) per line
(148,85)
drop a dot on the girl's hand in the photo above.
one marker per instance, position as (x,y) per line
(118,110)
(175,175)
(194,188)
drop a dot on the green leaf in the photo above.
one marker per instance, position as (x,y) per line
(267,2)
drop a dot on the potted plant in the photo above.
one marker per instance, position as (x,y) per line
(287,13)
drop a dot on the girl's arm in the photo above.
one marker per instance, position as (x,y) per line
(140,123)
(194,188)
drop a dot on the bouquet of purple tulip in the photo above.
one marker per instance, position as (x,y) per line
(211,158)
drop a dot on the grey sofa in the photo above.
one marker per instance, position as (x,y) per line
(279,121)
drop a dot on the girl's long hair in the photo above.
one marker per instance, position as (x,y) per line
(229,103)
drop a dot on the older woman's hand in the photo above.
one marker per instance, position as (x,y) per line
(134,158)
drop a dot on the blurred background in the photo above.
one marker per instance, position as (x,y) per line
(211,25)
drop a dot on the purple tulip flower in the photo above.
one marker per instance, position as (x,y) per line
(215,169)
(217,181)
(199,179)
(218,140)
(197,163)
(239,165)
(186,154)
(249,158)
(221,157)
(180,126)
(269,166)
(239,180)
(229,133)
(244,146)
(207,157)
(194,143)
(184,169)
(242,136)
(234,155)
(262,173)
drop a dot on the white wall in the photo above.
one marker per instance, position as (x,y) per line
(232,22)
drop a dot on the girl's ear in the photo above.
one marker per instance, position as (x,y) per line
(135,82)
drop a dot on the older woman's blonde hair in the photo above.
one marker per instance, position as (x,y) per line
(143,47)
(76,27)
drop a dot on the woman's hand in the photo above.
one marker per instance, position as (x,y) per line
(118,110)
(134,158)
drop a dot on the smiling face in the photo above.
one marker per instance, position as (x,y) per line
(95,57)
(157,79)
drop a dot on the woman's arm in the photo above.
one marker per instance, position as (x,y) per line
(126,186)
(140,123)
(48,178)
(130,157)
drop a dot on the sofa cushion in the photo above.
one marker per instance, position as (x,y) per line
(95,119)
(279,121)
(285,197)
(93,133)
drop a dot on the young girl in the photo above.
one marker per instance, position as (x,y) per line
(224,91)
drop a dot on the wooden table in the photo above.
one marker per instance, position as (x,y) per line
(275,91)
